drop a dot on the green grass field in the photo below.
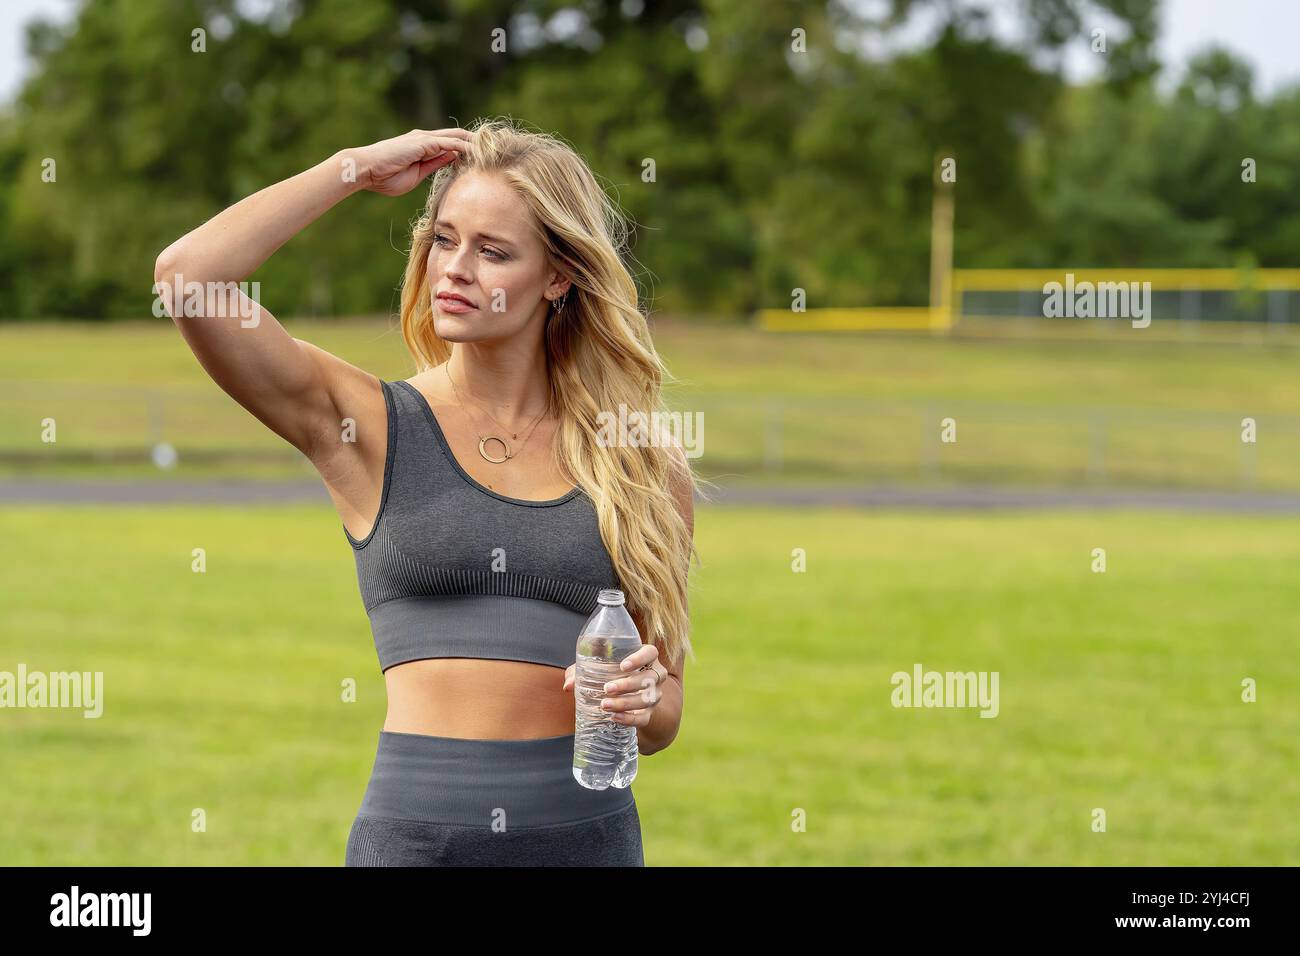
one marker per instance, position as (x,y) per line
(833,409)
(1118,691)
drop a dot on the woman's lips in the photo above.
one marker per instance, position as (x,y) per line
(454,306)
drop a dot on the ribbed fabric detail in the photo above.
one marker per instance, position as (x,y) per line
(390,575)
(466,782)
(361,848)
(610,840)
(440,534)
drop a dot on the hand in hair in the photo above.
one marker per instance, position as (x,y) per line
(396,166)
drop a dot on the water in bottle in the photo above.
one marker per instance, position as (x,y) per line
(604,750)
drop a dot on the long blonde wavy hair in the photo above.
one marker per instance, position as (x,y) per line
(599,356)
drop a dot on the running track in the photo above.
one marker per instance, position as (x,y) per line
(19,491)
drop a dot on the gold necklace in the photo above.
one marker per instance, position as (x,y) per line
(484,439)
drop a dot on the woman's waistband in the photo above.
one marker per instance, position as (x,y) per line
(488,783)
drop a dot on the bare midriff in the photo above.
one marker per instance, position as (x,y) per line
(478,699)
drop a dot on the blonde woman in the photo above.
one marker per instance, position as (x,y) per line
(487,510)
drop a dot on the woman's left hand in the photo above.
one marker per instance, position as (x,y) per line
(630,700)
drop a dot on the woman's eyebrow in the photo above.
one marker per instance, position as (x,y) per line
(481,235)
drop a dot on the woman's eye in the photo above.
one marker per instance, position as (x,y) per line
(438,239)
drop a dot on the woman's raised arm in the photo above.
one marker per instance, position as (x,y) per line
(293,388)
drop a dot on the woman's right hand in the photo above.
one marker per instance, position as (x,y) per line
(395,166)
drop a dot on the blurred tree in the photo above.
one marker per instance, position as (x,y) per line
(759,147)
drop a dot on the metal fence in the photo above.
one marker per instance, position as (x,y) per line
(761,437)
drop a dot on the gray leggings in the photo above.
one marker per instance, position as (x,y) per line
(448,801)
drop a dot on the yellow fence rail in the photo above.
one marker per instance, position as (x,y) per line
(944,316)
(843,320)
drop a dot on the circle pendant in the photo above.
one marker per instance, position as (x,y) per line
(482,451)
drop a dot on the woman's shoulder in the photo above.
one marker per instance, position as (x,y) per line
(431,383)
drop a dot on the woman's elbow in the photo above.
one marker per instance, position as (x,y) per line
(168,282)
(165,266)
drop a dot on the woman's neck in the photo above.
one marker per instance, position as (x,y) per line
(510,385)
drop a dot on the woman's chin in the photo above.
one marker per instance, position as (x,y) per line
(469,327)
(454,328)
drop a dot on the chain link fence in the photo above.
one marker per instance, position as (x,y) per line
(137,431)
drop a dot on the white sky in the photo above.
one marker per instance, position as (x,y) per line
(1260,31)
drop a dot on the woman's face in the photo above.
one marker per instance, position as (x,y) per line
(485,250)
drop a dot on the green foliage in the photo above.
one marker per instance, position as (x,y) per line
(774,167)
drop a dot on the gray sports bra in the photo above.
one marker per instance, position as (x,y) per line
(453,569)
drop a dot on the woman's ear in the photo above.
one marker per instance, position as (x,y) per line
(560,286)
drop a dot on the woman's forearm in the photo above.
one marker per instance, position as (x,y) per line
(230,246)
(665,719)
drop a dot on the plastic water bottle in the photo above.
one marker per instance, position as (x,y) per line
(604,750)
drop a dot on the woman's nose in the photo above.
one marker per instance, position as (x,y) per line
(457,265)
